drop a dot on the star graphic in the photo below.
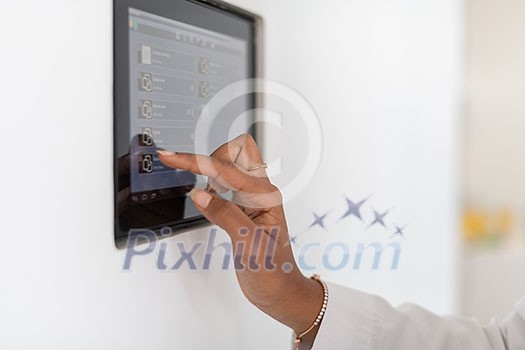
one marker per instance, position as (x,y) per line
(293,240)
(319,220)
(354,208)
(399,231)
(379,218)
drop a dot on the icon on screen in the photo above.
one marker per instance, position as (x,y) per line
(145,54)
(146,109)
(146,138)
(146,83)
(204,66)
(204,90)
(146,164)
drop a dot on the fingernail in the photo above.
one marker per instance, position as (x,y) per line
(201,198)
(166,153)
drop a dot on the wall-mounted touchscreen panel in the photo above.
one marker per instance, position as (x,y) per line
(171,59)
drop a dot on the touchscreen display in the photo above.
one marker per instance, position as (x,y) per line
(175,69)
(172,57)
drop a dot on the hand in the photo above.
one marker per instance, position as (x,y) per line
(256,223)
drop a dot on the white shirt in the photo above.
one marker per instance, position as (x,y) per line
(360,321)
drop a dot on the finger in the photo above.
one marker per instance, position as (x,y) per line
(239,227)
(243,152)
(226,174)
(223,213)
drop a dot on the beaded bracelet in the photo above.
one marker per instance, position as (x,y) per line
(299,338)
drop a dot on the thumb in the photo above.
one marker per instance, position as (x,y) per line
(221,212)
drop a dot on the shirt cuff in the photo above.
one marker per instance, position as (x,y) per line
(349,321)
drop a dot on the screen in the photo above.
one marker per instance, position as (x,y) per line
(172,57)
(177,69)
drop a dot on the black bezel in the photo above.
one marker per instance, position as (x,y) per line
(205,14)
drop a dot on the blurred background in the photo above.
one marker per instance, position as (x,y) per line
(421,110)
(493,149)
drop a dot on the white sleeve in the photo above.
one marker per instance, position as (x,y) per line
(360,321)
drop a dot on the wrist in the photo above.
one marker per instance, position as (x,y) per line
(306,339)
(310,300)
(298,304)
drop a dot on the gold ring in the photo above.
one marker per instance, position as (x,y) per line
(257,167)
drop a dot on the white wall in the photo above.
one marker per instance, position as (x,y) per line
(382,76)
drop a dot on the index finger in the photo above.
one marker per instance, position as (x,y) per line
(222,171)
